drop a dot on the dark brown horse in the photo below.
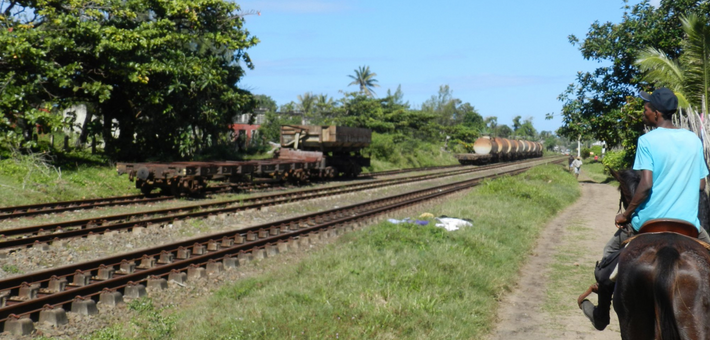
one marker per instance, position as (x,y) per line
(662,286)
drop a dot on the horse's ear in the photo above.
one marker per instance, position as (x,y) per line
(615,174)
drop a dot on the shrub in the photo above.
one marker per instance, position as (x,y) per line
(617,160)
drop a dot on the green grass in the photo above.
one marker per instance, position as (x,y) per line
(391,281)
(35,178)
(568,278)
(595,171)
(149,322)
(11,269)
(387,153)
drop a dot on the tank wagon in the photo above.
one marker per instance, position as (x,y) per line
(307,152)
(495,149)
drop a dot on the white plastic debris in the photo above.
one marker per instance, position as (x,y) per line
(451,224)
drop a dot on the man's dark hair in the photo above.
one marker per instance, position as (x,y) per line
(667,115)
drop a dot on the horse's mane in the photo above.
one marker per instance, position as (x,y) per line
(628,182)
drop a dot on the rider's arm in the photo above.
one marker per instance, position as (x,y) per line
(702,184)
(642,192)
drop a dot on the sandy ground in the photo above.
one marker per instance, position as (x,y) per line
(522,314)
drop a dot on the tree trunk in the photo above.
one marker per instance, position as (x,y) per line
(84,128)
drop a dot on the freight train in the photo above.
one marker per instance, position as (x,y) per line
(491,150)
(307,152)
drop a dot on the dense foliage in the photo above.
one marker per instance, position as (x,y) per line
(159,74)
(443,119)
(601,104)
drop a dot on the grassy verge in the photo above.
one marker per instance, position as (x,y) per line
(392,281)
(35,178)
(568,278)
(595,171)
(387,153)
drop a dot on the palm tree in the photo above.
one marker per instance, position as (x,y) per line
(324,103)
(306,102)
(689,76)
(365,80)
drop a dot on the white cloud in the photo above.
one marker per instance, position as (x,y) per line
(655,3)
(297,6)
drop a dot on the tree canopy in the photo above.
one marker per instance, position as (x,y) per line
(161,75)
(600,104)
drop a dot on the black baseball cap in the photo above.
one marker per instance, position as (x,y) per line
(662,99)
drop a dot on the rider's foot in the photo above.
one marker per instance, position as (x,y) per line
(588,310)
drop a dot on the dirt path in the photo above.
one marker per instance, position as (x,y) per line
(543,304)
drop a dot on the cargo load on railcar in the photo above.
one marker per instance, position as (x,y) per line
(341,146)
(307,152)
(496,149)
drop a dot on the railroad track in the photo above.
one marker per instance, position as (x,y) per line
(400,171)
(64,206)
(46,294)
(40,235)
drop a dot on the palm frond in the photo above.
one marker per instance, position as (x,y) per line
(658,68)
(696,59)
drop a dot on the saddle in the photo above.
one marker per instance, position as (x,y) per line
(669,225)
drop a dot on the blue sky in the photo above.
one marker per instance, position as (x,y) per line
(506,58)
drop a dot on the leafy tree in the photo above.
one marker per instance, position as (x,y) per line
(491,123)
(473,120)
(550,142)
(288,107)
(452,111)
(365,80)
(271,129)
(503,131)
(516,124)
(360,110)
(526,129)
(161,74)
(592,107)
(398,97)
(266,102)
(324,103)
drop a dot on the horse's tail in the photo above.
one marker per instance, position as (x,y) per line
(663,287)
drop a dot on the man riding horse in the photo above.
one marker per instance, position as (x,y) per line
(673,171)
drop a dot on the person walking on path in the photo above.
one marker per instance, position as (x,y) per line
(571,159)
(576,165)
(673,172)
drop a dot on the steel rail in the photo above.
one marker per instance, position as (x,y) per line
(18,211)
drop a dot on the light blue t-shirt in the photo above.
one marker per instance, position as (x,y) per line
(676,158)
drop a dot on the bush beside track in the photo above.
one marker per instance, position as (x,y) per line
(388,281)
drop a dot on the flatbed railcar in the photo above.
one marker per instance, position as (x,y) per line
(495,149)
(307,152)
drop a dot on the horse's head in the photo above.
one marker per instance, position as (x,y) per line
(628,182)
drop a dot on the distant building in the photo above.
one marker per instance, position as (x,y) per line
(241,125)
